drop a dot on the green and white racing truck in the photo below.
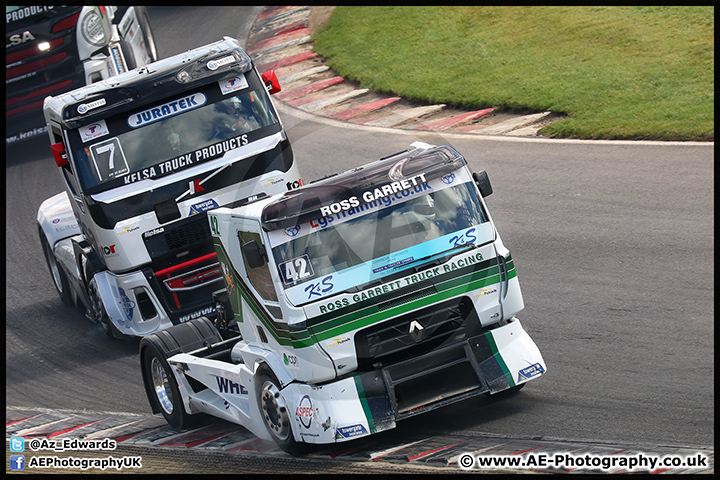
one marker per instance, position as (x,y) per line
(350,303)
(143,156)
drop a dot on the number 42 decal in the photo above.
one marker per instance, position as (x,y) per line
(297,269)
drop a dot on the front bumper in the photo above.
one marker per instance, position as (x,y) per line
(491,362)
(120,298)
(133,305)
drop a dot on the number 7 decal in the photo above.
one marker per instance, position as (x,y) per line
(109,159)
(111,148)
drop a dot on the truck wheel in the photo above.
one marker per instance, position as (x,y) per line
(57,272)
(163,383)
(274,411)
(148,35)
(96,312)
(159,380)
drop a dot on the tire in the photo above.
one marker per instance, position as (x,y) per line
(144,21)
(163,384)
(57,272)
(130,62)
(274,411)
(160,382)
(149,40)
(96,312)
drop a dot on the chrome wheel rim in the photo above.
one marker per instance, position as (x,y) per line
(161,384)
(96,310)
(54,269)
(274,411)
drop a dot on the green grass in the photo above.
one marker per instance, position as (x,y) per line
(619,72)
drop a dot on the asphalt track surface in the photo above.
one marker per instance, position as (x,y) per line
(613,243)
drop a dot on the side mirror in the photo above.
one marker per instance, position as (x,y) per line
(58,151)
(254,254)
(271,82)
(483,182)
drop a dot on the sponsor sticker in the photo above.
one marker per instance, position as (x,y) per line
(228,386)
(233,84)
(448,179)
(304,411)
(206,153)
(25,12)
(227,273)
(93,131)
(198,314)
(370,196)
(393,264)
(290,360)
(202,207)
(85,107)
(269,182)
(127,304)
(350,431)
(485,291)
(292,231)
(215,64)
(529,372)
(337,341)
(129,229)
(160,112)
(153,232)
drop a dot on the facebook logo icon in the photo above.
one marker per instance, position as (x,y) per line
(17,462)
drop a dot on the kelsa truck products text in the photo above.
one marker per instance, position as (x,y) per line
(350,303)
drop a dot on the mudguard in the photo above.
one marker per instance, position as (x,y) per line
(57,220)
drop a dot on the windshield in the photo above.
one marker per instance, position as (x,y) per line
(379,239)
(161,139)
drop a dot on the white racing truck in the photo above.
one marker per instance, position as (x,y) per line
(52,49)
(143,156)
(351,303)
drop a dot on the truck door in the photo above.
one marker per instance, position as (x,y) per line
(262,299)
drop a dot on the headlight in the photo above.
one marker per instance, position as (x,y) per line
(92,29)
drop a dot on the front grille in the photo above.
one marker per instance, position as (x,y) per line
(450,372)
(416,333)
(169,247)
(187,290)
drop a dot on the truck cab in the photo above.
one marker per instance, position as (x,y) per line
(53,49)
(354,302)
(144,156)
